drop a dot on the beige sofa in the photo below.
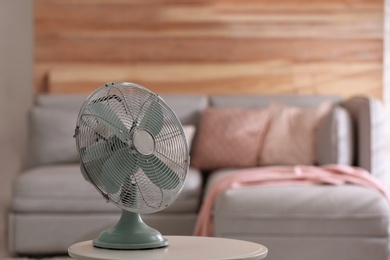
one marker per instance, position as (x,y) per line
(54,207)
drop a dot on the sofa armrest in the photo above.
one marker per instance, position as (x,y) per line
(368,117)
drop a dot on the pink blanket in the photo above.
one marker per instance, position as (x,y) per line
(283,175)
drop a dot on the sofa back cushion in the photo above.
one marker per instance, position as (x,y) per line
(229,137)
(291,136)
(51,136)
(53,118)
(334,141)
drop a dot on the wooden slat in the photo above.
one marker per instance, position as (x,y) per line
(96,16)
(198,78)
(284,77)
(245,20)
(207,50)
(348,4)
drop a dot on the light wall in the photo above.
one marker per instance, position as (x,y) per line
(386,56)
(16,88)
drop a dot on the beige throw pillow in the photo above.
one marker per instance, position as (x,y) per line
(229,137)
(290,139)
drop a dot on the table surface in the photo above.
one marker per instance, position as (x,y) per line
(180,247)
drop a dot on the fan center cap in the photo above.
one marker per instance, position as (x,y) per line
(143,142)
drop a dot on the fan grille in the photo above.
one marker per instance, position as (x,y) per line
(132,147)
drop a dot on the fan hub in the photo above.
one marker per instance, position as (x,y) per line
(143,142)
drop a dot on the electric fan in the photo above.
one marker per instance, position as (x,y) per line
(132,148)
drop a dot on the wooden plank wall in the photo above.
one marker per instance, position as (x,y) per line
(211,46)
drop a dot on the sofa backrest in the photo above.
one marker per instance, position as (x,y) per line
(352,134)
(53,117)
(250,101)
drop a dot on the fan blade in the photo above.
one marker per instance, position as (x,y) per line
(115,170)
(158,172)
(91,158)
(129,194)
(94,151)
(153,119)
(102,148)
(110,120)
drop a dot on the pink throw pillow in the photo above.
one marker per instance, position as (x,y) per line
(229,137)
(290,139)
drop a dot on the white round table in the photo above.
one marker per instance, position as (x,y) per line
(179,248)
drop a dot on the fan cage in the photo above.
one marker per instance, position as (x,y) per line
(141,183)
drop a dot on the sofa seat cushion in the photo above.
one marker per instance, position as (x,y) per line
(61,188)
(347,210)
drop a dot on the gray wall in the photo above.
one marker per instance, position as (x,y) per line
(16,88)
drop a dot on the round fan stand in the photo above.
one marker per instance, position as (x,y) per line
(130,233)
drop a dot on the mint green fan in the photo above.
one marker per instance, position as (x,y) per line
(132,148)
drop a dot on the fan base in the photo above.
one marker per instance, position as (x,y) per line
(130,233)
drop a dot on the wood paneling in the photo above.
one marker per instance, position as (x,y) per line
(213,46)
